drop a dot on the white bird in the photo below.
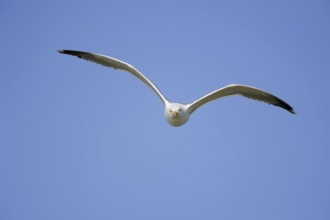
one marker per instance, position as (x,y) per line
(178,114)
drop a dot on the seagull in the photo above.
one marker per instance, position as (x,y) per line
(178,114)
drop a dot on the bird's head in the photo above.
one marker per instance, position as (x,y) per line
(176,114)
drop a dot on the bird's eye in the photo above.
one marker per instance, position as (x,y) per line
(180,110)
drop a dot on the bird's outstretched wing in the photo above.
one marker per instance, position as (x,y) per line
(116,64)
(247,91)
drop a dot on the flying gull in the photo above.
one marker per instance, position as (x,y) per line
(178,114)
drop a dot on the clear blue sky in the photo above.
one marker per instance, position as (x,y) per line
(81,141)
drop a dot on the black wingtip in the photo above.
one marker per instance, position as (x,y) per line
(71,52)
(76,53)
(284,105)
(288,107)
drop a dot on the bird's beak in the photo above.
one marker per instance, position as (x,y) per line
(174,113)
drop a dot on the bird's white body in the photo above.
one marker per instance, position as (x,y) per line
(178,114)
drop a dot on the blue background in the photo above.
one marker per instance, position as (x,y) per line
(81,141)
